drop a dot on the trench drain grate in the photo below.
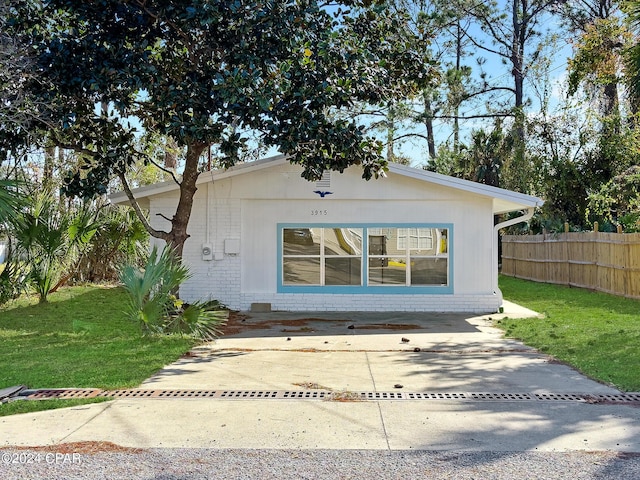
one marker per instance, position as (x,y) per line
(61,393)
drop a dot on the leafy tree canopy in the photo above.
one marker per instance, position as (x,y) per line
(203,72)
(618,201)
(15,106)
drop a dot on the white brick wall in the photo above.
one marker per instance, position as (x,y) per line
(372,303)
(214,279)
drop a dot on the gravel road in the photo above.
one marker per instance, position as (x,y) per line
(170,464)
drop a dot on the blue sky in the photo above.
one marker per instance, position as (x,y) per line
(499,73)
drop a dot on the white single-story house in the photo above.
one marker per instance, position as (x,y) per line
(412,241)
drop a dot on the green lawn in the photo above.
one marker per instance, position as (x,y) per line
(81,338)
(599,334)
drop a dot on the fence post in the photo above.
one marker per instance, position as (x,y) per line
(619,228)
(594,268)
(627,271)
(566,266)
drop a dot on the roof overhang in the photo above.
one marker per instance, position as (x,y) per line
(504,201)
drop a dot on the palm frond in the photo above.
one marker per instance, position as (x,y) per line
(11,200)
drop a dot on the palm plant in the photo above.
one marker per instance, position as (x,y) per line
(11,273)
(489,152)
(10,200)
(151,288)
(49,241)
(12,277)
(153,303)
(200,320)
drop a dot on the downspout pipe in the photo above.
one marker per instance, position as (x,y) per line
(507,223)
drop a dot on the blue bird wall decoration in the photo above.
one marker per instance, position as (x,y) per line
(322,194)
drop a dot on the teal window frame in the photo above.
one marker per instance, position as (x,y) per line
(365,288)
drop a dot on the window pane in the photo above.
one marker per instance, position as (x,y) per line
(301,241)
(301,271)
(342,271)
(429,271)
(387,271)
(342,241)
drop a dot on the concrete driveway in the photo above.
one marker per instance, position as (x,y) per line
(370,352)
(388,381)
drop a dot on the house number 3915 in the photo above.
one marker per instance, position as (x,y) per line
(315,213)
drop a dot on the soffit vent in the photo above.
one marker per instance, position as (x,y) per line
(325,181)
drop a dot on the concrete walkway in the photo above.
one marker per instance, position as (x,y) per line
(345,353)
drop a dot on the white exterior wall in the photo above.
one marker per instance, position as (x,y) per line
(249,207)
(373,303)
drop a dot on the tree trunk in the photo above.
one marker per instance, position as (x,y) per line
(391,131)
(517,57)
(519,170)
(428,122)
(49,162)
(178,234)
(456,112)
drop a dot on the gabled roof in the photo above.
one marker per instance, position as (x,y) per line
(503,200)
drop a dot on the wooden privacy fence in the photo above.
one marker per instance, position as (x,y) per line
(608,262)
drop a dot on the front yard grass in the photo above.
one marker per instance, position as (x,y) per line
(597,333)
(80,339)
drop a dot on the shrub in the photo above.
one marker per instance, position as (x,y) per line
(120,239)
(154,304)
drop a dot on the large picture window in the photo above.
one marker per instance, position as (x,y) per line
(371,258)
